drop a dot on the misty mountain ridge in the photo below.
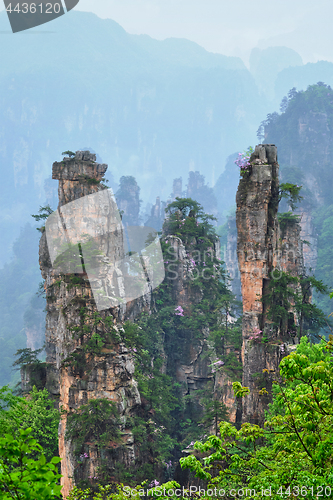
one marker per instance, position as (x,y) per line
(154,110)
(145,114)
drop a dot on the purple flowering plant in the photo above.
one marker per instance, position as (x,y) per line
(216,365)
(256,335)
(154,483)
(179,311)
(243,160)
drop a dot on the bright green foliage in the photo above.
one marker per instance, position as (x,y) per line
(290,192)
(294,450)
(23,477)
(43,214)
(68,153)
(168,420)
(37,412)
(239,390)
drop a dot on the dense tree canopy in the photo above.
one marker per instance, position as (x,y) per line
(292,454)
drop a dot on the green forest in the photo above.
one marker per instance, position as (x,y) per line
(290,454)
(303,132)
(186,435)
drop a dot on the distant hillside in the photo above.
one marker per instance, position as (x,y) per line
(302,77)
(155,110)
(151,109)
(303,134)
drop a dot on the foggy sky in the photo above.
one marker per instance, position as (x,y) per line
(230,28)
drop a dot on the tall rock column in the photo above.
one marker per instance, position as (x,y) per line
(262,250)
(86,360)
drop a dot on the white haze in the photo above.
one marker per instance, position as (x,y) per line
(230,28)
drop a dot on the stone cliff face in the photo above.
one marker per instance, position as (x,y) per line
(264,251)
(128,200)
(309,236)
(76,375)
(304,134)
(230,258)
(86,360)
(193,369)
(157,215)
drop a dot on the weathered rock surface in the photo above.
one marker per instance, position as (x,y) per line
(230,258)
(264,250)
(75,375)
(309,236)
(70,306)
(193,368)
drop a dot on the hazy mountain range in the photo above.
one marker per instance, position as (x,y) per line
(152,109)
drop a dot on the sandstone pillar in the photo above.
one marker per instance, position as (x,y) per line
(263,251)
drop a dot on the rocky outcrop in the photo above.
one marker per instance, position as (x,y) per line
(78,368)
(193,369)
(87,361)
(199,191)
(230,258)
(309,237)
(157,215)
(128,200)
(264,251)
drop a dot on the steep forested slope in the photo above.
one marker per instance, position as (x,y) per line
(303,133)
(21,310)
